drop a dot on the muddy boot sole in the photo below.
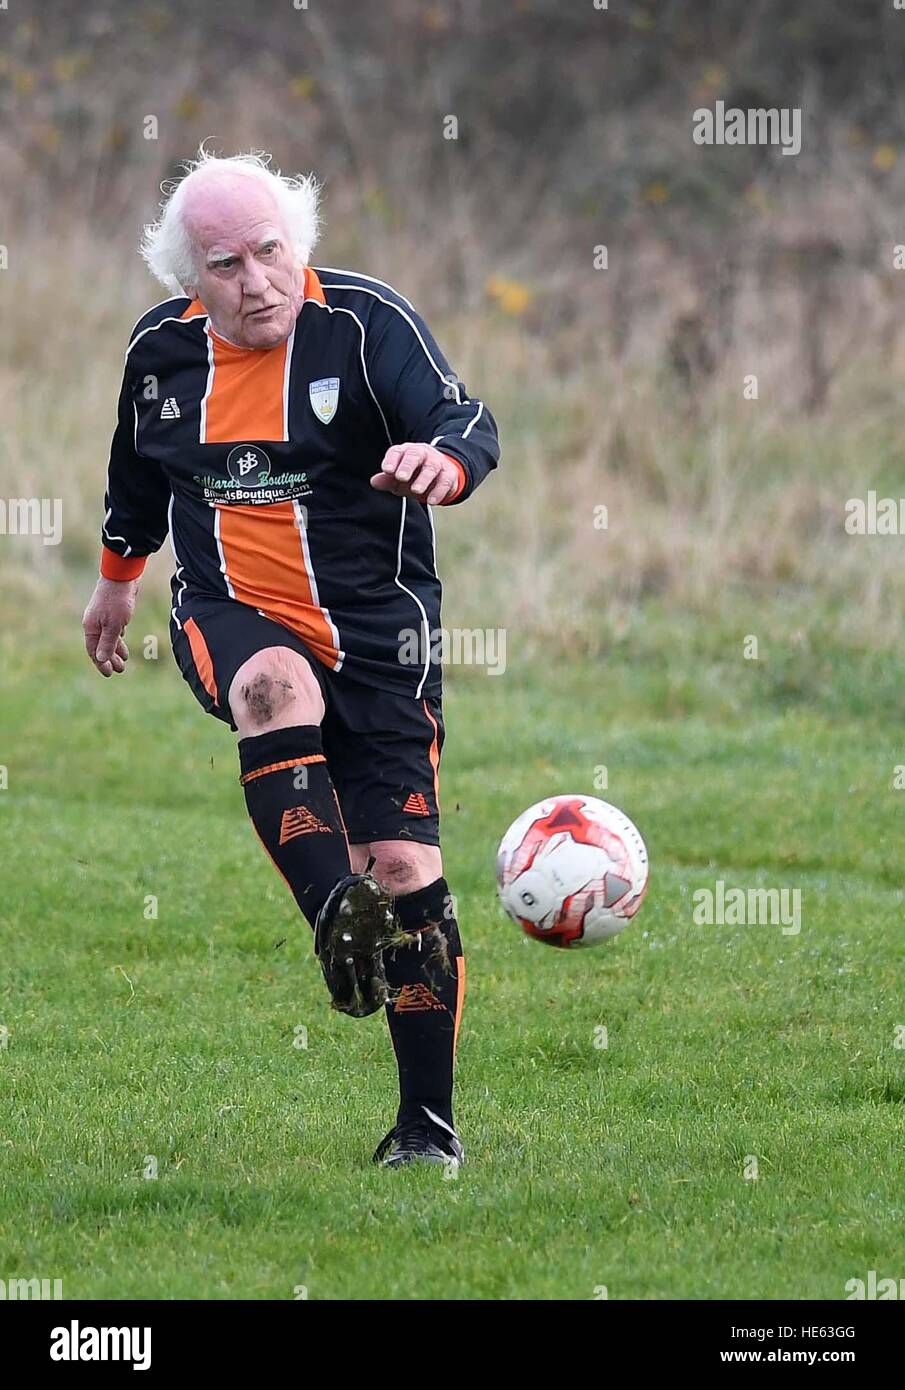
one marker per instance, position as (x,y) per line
(353,927)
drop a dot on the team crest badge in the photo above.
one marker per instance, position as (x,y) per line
(324,396)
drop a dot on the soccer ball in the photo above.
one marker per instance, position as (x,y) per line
(572,871)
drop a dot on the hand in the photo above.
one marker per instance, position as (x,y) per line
(418,471)
(105,621)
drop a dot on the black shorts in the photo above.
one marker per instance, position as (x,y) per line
(382,749)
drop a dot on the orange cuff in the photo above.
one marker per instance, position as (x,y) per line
(463,479)
(114,566)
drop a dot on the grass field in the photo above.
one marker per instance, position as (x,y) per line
(620,1167)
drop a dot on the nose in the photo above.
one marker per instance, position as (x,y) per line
(254,280)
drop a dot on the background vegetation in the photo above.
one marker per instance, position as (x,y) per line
(620,387)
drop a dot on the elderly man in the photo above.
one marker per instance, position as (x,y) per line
(291,428)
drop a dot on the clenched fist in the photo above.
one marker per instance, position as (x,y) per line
(419,471)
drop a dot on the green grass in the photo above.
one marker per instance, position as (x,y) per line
(620,1166)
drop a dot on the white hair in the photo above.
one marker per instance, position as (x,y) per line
(166,245)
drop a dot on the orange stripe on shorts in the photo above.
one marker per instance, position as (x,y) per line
(434,753)
(202,658)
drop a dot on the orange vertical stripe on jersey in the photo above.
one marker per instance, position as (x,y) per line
(263,550)
(202,658)
(246,394)
(265,564)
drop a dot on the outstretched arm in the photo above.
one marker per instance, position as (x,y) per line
(444,441)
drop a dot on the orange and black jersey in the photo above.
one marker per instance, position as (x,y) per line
(258,464)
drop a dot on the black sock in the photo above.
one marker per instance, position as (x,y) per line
(427,981)
(294,809)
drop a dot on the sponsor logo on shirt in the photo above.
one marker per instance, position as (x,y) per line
(248,465)
(251,480)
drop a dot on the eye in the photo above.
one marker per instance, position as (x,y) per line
(268,248)
(226,264)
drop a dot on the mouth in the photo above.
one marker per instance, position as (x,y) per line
(268,309)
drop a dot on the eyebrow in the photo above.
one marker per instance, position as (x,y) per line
(215,258)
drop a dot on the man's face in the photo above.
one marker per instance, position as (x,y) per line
(248,279)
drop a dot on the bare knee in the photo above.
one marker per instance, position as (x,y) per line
(403,866)
(266,696)
(274,689)
(396,871)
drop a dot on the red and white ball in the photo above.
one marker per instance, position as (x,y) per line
(572,871)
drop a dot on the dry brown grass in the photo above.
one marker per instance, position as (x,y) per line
(712,500)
